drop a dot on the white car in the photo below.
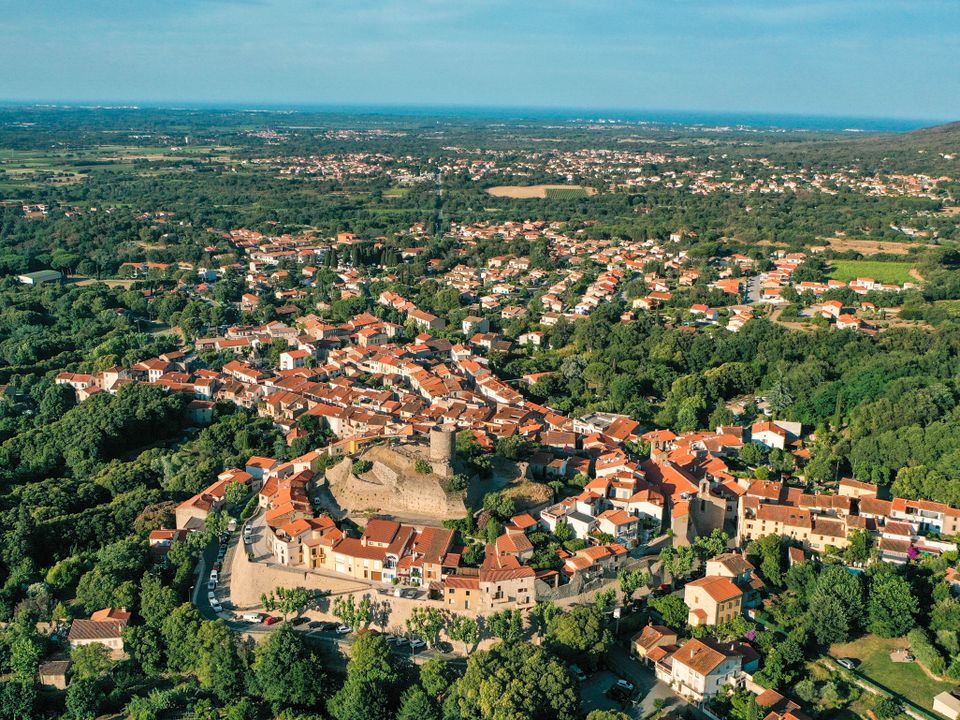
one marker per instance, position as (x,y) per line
(247,540)
(417,643)
(343,630)
(211,597)
(625,685)
(252,617)
(217,607)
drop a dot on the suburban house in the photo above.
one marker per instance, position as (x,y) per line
(701,668)
(712,600)
(104,627)
(651,637)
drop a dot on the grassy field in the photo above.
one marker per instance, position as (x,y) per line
(885,272)
(907,679)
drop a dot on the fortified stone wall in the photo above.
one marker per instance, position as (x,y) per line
(393,486)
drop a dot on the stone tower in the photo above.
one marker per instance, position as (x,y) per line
(443,450)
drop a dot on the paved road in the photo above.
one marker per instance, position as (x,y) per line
(754,289)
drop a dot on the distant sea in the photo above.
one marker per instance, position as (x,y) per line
(662,117)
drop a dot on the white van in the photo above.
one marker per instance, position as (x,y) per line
(252,617)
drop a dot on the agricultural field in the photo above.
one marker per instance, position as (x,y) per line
(885,272)
(541,191)
(871,247)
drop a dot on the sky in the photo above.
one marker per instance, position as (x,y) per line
(853,58)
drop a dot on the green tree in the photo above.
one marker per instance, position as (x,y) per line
(426,623)
(218,667)
(436,676)
(90,662)
(630,581)
(369,692)
(513,681)
(83,700)
(607,715)
(179,631)
(858,549)
(506,625)
(353,614)
(604,599)
(157,601)
(708,546)
(580,634)
(672,609)
(892,608)
(462,628)
(286,673)
(416,705)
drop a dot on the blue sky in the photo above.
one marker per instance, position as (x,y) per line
(866,58)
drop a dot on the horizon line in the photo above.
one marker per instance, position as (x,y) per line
(516,112)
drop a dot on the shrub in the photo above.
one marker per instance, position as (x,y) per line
(250,508)
(362,466)
(422,466)
(925,652)
(457,483)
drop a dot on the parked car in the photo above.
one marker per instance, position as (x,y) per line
(848,663)
(626,685)
(416,643)
(617,693)
(578,674)
(343,630)
(299,620)
(247,540)
(212,584)
(317,625)
(252,617)
(217,607)
(217,566)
